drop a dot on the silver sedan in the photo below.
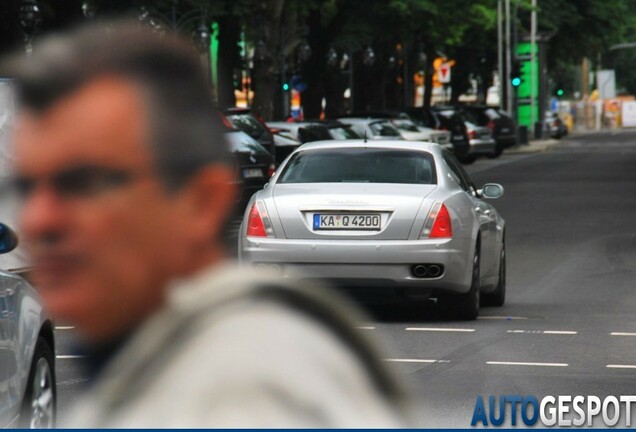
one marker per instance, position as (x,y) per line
(27,351)
(394,213)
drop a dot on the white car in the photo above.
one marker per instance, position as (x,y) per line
(392,213)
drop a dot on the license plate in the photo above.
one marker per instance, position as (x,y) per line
(347,221)
(458,137)
(252,173)
(505,130)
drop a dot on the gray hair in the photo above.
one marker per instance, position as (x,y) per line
(186,131)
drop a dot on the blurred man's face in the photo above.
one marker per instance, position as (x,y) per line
(103,233)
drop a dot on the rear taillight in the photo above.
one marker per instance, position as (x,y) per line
(271,170)
(472,134)
(255,225)
(258,224)
(438,224)
(442,128)
(491,125)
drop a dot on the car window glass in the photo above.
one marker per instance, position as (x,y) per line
(384,128)
(240,142)
(313,133)
(405,125)
(248,124)
(343,133)
(457,172)
(360,165)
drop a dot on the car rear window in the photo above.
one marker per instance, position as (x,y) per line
(240,142)
(313,133)
(250,125)
(360,165)
(384,128)
(343,133)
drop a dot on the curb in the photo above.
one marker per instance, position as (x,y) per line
(532,147)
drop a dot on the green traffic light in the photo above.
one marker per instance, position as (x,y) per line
(560,92)
(516,82)
(285,87)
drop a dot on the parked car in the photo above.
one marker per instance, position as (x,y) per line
(28,392)
(254,164)
(480,139)
(396,213)
(554,126)
(432,118)
(373,128)
(308,131)
(501,125)
(409,130)
(245,120)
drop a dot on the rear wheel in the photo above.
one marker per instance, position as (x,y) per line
(498,296)
(38,407)
(468,159)
(466,306)
(498,151)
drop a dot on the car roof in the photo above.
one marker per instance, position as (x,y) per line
(362,120)
(384,144)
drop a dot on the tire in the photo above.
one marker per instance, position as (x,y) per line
(40,398)
(499,148)
(465,307)
(467,160)
(497,298)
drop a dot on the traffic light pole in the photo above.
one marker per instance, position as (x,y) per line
(533,62)
(509,96)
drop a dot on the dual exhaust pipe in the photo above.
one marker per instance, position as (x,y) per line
(427,271)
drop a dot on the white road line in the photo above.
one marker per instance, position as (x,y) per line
(67,357)
(499,363)
(560,332)
(416,361)
(493,317)
(548,332)
(366,328)
(622,334)
(621,366)
(440,329)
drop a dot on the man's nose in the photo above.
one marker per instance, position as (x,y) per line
(42,213)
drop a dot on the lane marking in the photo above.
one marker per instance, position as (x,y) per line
(416,361)
(621,366)
(622,334)
(494,317)
(67,357)
(440,329)
(548,332)
(64,328)
(499,363)
(366,328)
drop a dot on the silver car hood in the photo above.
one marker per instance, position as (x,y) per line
(398,205)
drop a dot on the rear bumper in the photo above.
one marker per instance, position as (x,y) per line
(349,262)
(482,146)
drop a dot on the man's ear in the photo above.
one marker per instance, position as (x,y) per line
(210,200)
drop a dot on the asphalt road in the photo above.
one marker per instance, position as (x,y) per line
(569,323)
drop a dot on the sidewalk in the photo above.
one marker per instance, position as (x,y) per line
(534,146)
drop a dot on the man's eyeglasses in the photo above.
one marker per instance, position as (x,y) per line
(85,181)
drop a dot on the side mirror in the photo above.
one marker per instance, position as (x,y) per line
(491,191)
(8,239)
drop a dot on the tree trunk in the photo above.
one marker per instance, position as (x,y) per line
(228,61)
(428,76)
(267,19)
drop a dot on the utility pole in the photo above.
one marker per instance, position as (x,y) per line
(533,61)
(509,104)
(500,67)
